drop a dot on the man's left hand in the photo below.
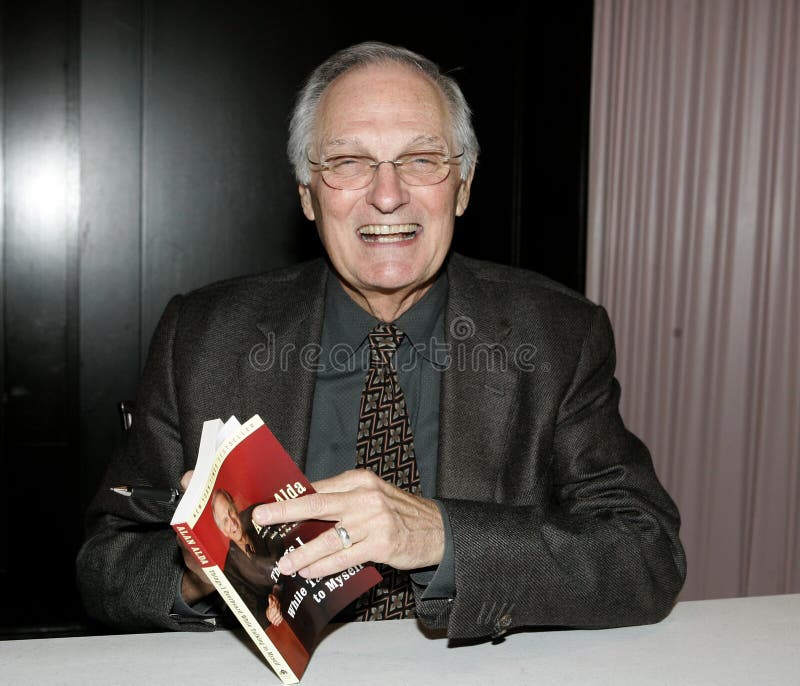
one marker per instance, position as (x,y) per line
(384,523)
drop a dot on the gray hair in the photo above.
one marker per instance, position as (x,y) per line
(301,126)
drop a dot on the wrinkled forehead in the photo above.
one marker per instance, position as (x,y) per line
(381,102)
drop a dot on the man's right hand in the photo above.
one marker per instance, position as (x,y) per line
(194,585)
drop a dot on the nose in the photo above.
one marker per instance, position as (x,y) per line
(387,192)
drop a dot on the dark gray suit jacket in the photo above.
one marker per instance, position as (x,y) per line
(557,516)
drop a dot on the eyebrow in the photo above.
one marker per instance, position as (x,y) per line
(428,140)
(341,142)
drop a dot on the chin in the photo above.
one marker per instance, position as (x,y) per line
(389,280)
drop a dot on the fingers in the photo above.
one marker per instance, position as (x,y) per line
(194,587)
(384,523)
(312,506)
(325,555)
(188,558)
(185,479)
(390,526)
(327,504)
(194,584)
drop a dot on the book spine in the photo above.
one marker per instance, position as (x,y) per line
(234,601)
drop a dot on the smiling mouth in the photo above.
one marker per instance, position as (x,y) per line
(392,233)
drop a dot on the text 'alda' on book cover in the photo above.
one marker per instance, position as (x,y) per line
(240,466)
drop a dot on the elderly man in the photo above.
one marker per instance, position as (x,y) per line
(459,418)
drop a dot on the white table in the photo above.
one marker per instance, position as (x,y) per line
(748,641)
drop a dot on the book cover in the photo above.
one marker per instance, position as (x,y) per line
(240,466)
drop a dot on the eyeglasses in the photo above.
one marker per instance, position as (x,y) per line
(352,172)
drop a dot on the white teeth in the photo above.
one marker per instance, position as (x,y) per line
(385,230)
(382,233)
(390,239)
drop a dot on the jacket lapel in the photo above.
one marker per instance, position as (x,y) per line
(277,372)
(478,387)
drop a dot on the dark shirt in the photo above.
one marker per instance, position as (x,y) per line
(342,366)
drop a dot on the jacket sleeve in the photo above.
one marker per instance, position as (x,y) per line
(601,549)
(130,566)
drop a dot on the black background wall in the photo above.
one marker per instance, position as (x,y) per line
(143,155)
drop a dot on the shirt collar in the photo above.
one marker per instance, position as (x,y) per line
(347,324)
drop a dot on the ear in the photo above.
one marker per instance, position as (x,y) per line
(463,193)
(306,202)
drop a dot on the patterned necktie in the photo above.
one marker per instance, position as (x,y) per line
(385,445)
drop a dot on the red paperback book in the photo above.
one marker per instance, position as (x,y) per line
(238,467)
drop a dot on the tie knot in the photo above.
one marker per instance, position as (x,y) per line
(383,342)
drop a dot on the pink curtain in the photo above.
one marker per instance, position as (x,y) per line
(694,248)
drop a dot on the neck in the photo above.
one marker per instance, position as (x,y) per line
(389,306)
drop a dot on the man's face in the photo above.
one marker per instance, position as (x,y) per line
(226,517)
(383,111)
